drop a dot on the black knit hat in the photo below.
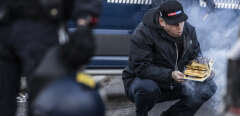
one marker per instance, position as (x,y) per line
(172,12)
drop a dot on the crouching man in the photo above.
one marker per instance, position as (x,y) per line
(160,48)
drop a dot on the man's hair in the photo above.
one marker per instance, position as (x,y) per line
(79,50)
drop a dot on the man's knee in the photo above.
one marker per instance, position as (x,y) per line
(145,88)
(208,91)
(144,93)
(202,93)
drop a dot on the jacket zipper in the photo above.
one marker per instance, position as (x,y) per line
(184,51)
(176,65)
(184,46)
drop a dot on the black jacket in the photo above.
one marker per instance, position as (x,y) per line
(153,53)
(30,34)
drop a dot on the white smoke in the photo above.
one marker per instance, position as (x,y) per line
(217,32)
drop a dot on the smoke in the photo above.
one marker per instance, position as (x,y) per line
(217,32)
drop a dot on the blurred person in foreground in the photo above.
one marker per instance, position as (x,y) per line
(160,48)
(29,29)
(74,93)
(70,93)
(24,33)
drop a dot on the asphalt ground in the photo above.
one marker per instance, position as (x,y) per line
(118,105)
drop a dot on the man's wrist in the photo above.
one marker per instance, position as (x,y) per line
(172,75)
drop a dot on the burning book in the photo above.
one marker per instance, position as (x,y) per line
(199,69)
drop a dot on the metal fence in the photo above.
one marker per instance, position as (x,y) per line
(230,4)
(227,4)
(143,2)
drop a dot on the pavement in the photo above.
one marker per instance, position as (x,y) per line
(117,103)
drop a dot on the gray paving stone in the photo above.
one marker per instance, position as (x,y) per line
(118,105)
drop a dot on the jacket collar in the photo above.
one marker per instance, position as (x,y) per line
(166,36)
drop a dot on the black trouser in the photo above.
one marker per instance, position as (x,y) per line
(146,93)
(9,87)
(10,74)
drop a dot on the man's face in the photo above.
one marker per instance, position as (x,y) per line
(173,30)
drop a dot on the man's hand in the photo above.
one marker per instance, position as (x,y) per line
(178,76)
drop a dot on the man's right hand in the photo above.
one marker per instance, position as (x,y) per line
(178,76)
